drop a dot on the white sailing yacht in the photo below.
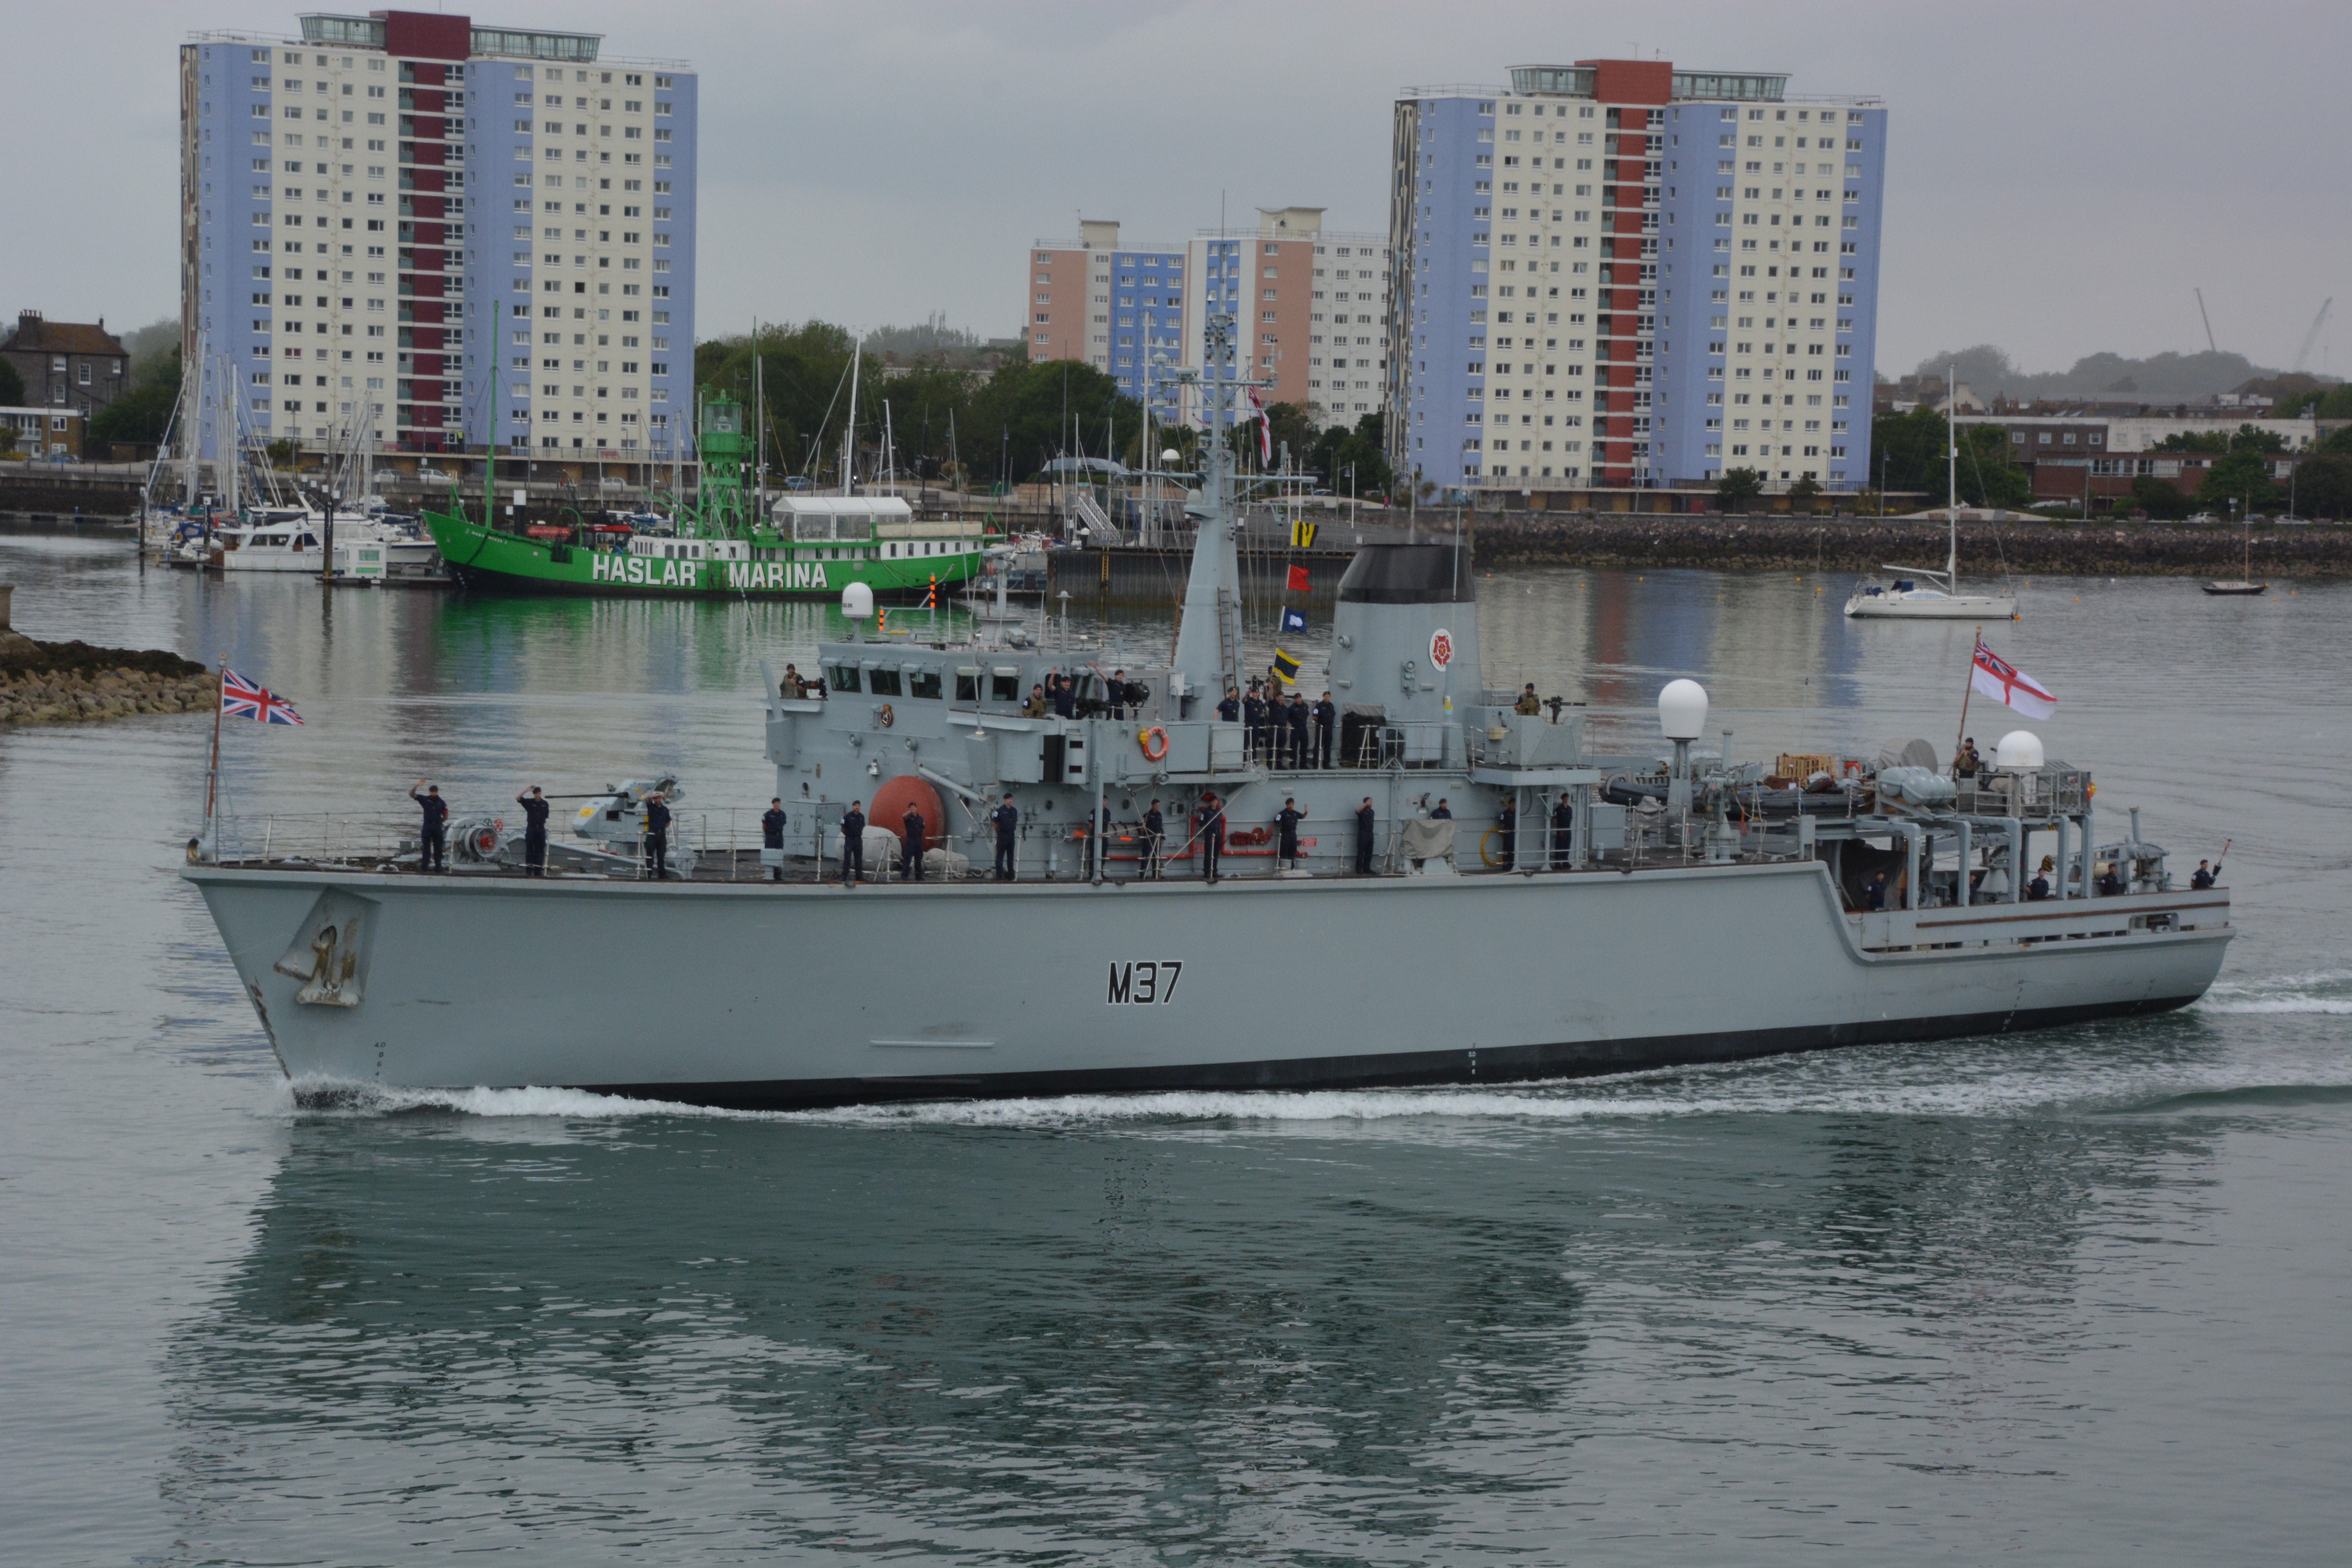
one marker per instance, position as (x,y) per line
(1939,598)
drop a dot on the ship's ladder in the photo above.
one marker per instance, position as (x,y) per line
(1229,637)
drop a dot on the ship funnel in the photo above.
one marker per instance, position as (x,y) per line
(1405,634)
(1682,711)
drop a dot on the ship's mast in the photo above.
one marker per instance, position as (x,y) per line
(1208,658)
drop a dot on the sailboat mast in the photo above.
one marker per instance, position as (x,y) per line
(849,429)
(1952,476)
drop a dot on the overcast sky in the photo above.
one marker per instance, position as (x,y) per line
(2059,175)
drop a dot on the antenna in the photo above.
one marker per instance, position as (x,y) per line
(2208,320)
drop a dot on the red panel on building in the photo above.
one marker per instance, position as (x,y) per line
(1631,82)
(419,34)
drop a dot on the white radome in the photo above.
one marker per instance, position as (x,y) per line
(857,601)
(1682,709)
(2017,749)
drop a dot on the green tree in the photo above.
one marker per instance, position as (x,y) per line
(1293,426)
(143,413)
(1359,447)
(1025,415)
(1916,445)
(2244,439)
(1738,487)
(1912,445)
(1988,476)
(2323,487)
(2336,441)
(1803,493)
(12,386)
(2159,498)
(2242,476)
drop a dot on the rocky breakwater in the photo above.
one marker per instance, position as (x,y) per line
(1638,542)
(72,682)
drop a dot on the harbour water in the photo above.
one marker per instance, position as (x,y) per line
(2072,1296)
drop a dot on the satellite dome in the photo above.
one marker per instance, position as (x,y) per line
(857,601)
(2017,749)
(1682,709)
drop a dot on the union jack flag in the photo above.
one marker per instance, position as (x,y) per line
(2006,684)
(241,698)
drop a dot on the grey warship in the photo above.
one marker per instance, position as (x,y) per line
(1690,909)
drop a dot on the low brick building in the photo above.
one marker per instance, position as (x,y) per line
(43,432)
(73,365)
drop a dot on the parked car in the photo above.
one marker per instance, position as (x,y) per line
(799,483)
(56,457)
(2203,517)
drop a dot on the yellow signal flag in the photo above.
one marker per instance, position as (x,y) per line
(1302,534)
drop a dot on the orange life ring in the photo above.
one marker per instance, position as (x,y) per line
(1154,743)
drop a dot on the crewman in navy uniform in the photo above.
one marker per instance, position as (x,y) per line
(1230,710)
(1286,825)
(1563,832)
(1366,817)
(1253,717)
(2205,876)
(1213,833)
(534,831)
(853,843)
(1443,812)
(1155,839)
(1116,693)
(1326,716)
(1878,892)
(657,835)
(434,846)
(911,827)
(1302,752)
(771,834)
(1007,821)
(1066,697)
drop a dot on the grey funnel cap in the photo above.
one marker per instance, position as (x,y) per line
(1408,574)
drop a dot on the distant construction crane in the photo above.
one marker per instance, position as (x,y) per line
(2311,338)
(2201,316)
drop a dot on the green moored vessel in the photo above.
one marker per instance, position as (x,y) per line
(808,547)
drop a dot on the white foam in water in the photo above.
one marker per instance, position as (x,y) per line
(2327,992)
(1926,1081)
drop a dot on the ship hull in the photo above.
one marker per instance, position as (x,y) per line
(495,561)
(1885,608)
(796,995)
